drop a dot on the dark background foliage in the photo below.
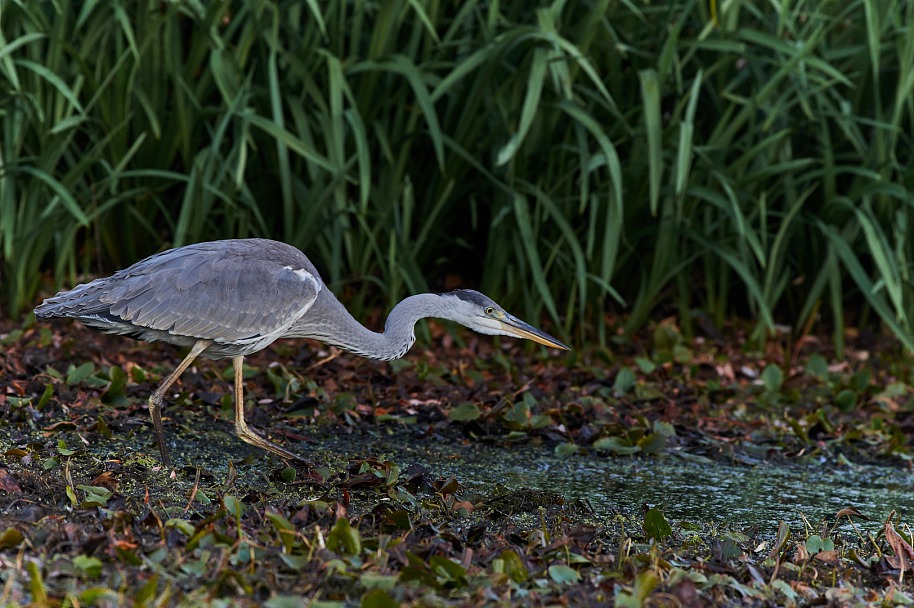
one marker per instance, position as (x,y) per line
(568,159)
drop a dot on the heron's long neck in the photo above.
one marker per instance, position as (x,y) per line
(328,321)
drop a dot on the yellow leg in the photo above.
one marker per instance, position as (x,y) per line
(241,427)
(155,399)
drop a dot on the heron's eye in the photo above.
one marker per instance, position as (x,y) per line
(490,311)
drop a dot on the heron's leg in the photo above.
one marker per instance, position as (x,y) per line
(241,427)
(155,399)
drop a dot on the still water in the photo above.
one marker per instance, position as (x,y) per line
(685,488)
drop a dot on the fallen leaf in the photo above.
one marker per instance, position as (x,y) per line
(8,482)
(852,512)
(903,551)
(105,479)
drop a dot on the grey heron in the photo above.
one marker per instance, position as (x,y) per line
(234,297)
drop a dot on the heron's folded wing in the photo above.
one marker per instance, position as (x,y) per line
(220,297)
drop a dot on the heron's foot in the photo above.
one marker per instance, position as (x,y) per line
(248,436)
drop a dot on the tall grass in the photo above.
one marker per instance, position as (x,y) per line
(569,159)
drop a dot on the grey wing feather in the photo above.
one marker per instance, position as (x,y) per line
(225,291)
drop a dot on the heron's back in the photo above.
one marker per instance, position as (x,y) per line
(241,294)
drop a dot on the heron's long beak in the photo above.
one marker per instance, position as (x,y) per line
(516,327)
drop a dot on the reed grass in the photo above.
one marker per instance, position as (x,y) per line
(569,159)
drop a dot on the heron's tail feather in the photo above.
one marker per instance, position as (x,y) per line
(80,301)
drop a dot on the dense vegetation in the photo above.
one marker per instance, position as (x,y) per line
(740,157)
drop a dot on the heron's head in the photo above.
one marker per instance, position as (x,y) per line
(482,314)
